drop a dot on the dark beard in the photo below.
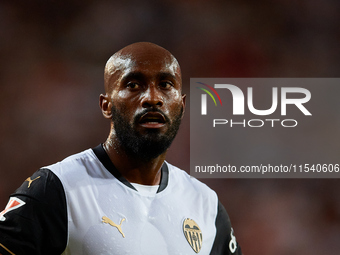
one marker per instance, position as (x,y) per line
(147,146)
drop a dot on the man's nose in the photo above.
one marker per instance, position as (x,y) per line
(152,97)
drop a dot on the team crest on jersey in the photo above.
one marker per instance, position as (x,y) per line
(193,234)
(12,204)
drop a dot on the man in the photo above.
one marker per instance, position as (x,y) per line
(122,197)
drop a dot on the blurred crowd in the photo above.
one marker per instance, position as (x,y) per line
(51,74)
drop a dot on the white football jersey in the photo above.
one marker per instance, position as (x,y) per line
(100,212)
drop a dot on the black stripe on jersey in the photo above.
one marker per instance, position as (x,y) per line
(106,161)
(40,226)
(164,177)
(223,230)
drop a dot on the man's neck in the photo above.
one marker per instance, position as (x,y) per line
(134,170)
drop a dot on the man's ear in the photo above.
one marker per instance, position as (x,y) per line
(105,105)
(184,96)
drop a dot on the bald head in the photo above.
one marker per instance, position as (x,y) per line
(143,55)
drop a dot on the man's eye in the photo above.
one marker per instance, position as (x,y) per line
(166,84)
(132,85)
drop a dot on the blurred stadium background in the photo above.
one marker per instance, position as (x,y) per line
(51,74)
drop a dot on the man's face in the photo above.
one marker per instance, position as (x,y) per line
(147,103)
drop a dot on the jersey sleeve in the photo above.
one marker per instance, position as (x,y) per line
(35,218)
(225,242)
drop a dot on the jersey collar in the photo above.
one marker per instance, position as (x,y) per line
(106,161)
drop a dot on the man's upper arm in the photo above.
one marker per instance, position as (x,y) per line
(225,241)
(35,218)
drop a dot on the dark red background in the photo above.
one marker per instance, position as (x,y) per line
(51,74)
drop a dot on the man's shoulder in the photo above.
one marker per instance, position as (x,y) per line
(77,167)
(73,161)
(182,178)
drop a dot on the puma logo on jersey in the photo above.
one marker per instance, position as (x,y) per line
(29,180)
(119,227)
(12,204)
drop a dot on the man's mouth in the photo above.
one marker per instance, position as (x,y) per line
(152,120)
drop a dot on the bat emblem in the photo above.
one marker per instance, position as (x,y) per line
(193,234)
